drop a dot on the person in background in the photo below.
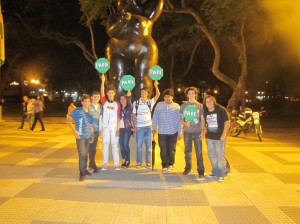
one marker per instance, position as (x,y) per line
(110,125)
(38,110)
(141,119)
(167,118)
(217,125)
(95,110)
(125,128)
(30,111)
(24,111)
(83,132)
(193,132)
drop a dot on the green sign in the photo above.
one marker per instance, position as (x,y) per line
(190,113)
(156,72)
(102,65)
(127,82)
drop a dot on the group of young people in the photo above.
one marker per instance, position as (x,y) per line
(118,120)
(32,111)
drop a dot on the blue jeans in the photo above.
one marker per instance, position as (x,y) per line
(143,134)
(216,153)
(124,138)
(188,139)
(92,151)
(83,150)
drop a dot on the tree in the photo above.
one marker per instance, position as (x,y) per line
(218,20)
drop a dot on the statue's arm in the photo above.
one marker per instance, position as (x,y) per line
(154,10)
(116,24)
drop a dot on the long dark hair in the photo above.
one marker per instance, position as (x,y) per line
(212,98)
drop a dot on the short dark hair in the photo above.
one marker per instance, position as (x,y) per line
(85,96)
(95,93)
(111,88)
(191,88)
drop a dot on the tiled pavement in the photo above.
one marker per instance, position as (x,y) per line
(39,184)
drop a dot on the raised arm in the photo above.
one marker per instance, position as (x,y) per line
(102,93)
(157,92)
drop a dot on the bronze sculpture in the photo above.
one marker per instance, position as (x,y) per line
(131,48)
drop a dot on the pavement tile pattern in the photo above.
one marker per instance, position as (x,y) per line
(39,184)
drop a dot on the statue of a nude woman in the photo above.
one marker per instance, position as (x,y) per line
(131,48)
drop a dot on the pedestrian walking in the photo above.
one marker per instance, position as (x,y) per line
(167,117)
(217,125)
(110,125)
(83,132)
(30,111)
(193,125)
(141,118)
(38,111)
(24,111)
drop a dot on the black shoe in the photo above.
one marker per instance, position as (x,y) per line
(126,164)
(201,176)
(20,127)
(123,165)
(43,130)
(186,172)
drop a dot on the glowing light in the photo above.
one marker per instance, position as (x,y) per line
(285,17)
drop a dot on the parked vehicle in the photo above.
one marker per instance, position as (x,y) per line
(246,122)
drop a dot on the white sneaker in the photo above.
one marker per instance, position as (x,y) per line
(117,168)
(221,179)
(104,167)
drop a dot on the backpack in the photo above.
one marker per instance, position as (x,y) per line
(137,102)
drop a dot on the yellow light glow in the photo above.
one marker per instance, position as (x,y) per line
(285,17)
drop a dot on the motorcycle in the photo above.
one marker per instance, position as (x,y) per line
(246,122)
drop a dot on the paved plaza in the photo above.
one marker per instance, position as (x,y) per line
(39,183)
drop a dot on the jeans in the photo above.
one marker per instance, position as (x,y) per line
(188,139)
(143,134)
(167,145)
(38,117)
(24,116)
(83,150)
(216,153)
(109,136)
(124,144)
(92,151)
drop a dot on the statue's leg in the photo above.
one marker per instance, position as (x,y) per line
(142,78)
(119,66)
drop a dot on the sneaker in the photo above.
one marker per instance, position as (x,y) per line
(117,168)
(221,179)
(139,165)
(201,177)
(186,172)
(148,164)
(164,170)
(88,172)
(95,169)
(20,128)
(211,175)
(81,177)
(170,169)
(104,167)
